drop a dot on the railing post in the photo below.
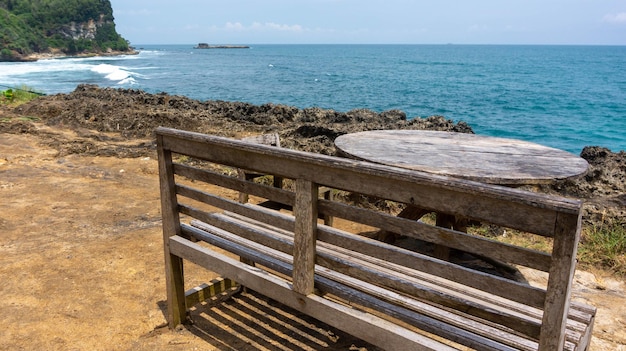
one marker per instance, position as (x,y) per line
(559,288)
(305,211)
(174,278)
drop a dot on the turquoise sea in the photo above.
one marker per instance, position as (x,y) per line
(561,96)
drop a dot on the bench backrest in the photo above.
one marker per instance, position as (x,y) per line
(547,216)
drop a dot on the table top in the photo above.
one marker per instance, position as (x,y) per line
(470,156)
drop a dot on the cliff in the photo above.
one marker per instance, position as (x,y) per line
(36,28)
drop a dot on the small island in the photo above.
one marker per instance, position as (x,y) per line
(207,46)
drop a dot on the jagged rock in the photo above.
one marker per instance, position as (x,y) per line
(135,114)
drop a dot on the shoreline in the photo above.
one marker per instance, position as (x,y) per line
(59,55)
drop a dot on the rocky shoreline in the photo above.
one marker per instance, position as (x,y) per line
(57,54)
(134,114)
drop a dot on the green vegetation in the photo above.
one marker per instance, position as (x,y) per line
(68,26)
(18,95)
(604,246)
(601,246)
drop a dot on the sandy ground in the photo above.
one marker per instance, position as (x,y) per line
(82,267)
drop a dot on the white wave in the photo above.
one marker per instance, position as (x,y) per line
(105,68)
(115,73)
(24,68)
(127,81)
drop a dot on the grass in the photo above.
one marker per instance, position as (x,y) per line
(604,246)
(601,247)
(17,96)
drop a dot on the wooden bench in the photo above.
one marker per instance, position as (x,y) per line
(394,298)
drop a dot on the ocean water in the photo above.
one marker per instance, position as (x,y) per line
(566,97)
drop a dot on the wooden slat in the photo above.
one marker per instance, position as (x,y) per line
(366,326)
(442,236)
(264,191)
(579,319)
(505,288)
(383,274)
(205,291)
(503,206)
(330,282)
(249,210)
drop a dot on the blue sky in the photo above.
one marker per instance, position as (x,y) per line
(595,22)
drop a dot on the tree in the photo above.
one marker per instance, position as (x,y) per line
(36,25)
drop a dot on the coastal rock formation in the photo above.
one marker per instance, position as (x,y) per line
(134,114)
(603,186)
(34,29)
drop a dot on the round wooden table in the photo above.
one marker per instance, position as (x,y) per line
(485,159)
(470,156)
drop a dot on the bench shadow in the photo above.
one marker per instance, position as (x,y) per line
(464,259)
(250,321)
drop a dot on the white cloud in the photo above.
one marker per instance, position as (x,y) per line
(615,17)
(267,26)
(234,26)
(283,27)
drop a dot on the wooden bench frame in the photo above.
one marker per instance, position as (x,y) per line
(391,297)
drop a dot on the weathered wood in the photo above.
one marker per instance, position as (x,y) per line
(381,273)
(560,282)
(335,276)
(331,282)
(174,279)
(437,235)
(503,206)
(304,237)
(266,235)
(369,327)
(203,175)
(206,291)
(470,156)
(262,254)
(441,273)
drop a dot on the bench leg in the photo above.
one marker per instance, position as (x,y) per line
(176,306)
(328,195)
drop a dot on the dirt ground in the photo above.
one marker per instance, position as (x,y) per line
(82,263)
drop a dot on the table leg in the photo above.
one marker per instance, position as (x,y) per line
(409,212)
(443,220)
(450,222)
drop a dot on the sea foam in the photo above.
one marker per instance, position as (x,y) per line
(114,73)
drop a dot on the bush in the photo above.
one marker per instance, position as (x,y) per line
(6,54)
